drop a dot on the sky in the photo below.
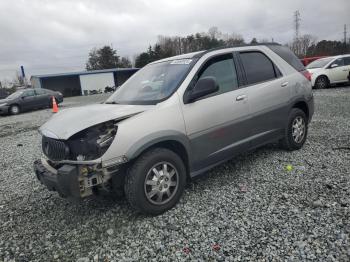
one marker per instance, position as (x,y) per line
(53,36)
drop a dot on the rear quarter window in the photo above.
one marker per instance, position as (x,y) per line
(287,55)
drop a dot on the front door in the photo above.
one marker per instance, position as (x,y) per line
(338,72)
(28,100)
(217,124)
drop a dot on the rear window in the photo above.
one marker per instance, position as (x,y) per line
(287,55)
(257,67)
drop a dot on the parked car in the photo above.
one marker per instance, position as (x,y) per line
(310,59)
(204,108)
(110,89)
(28,99)
(330,70)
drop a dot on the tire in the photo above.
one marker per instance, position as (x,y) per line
(14,110)
(151,192)
(321,82)
(297,124)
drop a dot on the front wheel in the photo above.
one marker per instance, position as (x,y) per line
(14,110)
(296,130)
(155,182)
(321,82)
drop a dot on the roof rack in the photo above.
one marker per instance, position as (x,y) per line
(232,46)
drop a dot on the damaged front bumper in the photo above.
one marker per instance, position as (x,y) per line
(72,180)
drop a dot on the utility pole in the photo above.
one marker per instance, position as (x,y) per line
(297,23)
(344,39)
(345,34)
(296,43)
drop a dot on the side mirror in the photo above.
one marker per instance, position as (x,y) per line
(204,86)
(334,65)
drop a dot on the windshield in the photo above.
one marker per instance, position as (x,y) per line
(152,84)
(15,95)
(320,62)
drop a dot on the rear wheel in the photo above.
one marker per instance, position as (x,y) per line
(296,131)
(155,182)
(14,110)
(321,82)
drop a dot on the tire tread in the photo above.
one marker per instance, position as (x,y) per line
(132,177)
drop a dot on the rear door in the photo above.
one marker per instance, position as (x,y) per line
(42,97)
(217,124)
(339,73)
(268,94)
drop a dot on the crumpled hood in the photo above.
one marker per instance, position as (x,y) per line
(68,122)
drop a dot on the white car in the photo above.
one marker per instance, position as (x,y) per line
(329,70)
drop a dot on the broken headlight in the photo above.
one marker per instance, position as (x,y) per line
(92,142)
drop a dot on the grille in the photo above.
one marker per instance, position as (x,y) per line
(54,149)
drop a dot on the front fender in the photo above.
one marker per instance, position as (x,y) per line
(161,136)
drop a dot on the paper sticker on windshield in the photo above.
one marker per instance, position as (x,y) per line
(181,62)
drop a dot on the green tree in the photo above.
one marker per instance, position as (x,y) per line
(105,58)
(142,60)
(124,63)
(254,41)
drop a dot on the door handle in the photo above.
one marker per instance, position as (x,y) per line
(284,84)
(240,97)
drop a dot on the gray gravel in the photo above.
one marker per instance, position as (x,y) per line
(250,208)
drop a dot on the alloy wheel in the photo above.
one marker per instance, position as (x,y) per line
(298,129)
(161,183)
(322,82)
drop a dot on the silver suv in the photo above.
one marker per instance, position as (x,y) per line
(175,119)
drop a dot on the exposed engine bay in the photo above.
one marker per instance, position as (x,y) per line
(83,179)
(88,144)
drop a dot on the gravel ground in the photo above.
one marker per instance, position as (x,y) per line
(250,208)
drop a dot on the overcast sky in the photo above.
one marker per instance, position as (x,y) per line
(51,36)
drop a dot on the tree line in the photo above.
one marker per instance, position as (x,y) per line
(166,46)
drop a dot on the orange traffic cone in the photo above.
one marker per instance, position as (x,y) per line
(54,105)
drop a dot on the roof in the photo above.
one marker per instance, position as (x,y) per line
(183,56)
(199,54)
(86,72)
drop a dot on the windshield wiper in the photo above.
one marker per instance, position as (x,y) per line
(111,103)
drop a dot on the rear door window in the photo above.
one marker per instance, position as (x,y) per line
(258,67)
(40,92)
(347,60)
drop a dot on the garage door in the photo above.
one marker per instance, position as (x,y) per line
(96,83)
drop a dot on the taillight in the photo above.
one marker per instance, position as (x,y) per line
(307,74)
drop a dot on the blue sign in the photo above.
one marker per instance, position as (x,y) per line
(22,70)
